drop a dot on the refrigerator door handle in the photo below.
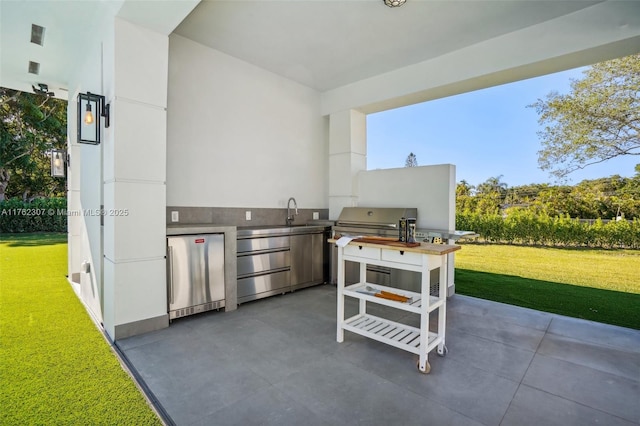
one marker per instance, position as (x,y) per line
(170,253)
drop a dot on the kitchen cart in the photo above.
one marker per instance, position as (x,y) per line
(419,258)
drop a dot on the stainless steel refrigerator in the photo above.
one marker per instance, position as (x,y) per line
(195,274)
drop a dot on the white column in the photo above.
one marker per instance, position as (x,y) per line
(134,182)
(347,156)
(74,222)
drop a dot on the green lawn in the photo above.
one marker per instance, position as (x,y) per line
(55,365)
(599,285)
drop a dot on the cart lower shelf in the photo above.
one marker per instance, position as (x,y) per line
(401,336)
(415,304)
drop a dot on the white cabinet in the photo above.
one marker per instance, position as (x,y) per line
(423,259)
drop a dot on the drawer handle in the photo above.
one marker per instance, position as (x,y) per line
(360,247)
(401,252)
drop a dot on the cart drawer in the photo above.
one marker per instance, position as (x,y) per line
(406,257)
(365,252)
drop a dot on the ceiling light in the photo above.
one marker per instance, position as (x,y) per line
(37,34)
(394,3)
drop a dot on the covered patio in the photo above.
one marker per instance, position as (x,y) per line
(276,361)
(221,108)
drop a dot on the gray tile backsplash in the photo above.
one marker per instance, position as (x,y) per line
(235,216)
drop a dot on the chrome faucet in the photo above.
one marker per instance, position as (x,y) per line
(295,205)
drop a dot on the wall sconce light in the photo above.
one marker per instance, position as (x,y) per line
(58,162)
(90,108)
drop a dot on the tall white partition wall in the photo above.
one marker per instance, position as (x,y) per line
(430,189)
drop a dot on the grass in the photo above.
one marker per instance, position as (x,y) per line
(598,285)
(55,365)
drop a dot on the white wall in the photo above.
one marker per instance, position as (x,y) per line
(85,183)
(347,157)
(240,136)
(134,181)
(431,189)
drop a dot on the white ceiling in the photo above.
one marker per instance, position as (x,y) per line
(66,25)
(321,44)
(328,44)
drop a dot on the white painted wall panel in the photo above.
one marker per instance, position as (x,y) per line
(136,214)
(431,189)
(140,63)
(239,135)
(141,143)
(140,293)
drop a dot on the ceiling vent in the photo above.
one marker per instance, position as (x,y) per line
(37,34)
(34,67)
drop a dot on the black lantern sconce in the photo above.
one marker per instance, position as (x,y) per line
(58,162)
(91,108)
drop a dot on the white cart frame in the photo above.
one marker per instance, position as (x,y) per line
(423,259)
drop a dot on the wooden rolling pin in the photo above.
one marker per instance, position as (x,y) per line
(392,296)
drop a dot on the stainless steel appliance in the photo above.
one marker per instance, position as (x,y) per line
(384,222)
(375,221)
(264,264)
(195,274)
(278,259)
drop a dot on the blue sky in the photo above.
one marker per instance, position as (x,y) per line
(485,133)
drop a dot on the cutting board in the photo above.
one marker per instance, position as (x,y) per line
(385,241)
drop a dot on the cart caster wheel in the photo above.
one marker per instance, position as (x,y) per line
(427,369)
(443,352)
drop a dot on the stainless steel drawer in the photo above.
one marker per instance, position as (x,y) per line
(260,263)
(262,244)
(251,288)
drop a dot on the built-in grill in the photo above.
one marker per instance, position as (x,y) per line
(379,221)
(384,222)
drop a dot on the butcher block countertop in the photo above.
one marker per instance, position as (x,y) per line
(392,244)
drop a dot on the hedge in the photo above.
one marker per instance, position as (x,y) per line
(39,215)
(526,227)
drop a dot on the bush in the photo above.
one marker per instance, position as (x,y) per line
(521,226)
(39,215)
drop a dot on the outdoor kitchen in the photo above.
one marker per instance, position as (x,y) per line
(273,251)
(256,269)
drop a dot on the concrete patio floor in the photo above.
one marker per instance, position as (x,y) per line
(276,362)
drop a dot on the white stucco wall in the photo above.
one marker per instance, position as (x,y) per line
(85,195)
(240,136)
(431,189)
(134,179)
(347,157)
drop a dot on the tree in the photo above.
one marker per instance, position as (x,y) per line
(411,161)
(493,185)
(31,125)
(491,195)
(465,201)
(598,120)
